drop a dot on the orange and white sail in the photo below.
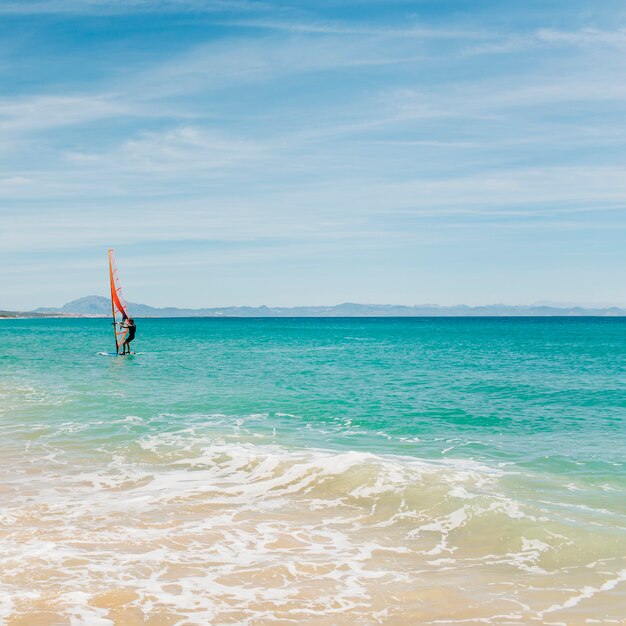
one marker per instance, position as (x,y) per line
(118,304)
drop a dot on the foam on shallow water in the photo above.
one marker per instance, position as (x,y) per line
(186,528)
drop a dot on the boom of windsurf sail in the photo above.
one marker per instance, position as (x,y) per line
(118,305)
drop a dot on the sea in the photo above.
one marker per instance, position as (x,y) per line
(313,471)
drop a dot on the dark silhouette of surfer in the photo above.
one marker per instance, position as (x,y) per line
(131,329)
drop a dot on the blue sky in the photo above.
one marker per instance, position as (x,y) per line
(291,153)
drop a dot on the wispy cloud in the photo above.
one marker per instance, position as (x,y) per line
(186,149)
(117,7)
(416,31)
(549,37)
(305,134)
(54,111)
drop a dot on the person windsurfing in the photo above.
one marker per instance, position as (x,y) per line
(128,324)
(123,325)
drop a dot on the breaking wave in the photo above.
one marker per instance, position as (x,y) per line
(196,527)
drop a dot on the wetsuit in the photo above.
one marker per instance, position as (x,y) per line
(132,329)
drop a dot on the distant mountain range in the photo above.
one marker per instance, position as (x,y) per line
(21,314)
(101,306)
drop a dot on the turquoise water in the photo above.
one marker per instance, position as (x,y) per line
(548,394)
(527,412)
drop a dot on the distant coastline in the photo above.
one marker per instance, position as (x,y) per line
(99,306)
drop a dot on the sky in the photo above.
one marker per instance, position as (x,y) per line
(304,153)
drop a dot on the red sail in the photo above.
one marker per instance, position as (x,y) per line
(118,305)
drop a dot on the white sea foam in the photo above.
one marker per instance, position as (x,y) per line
(587,592)
(219,529)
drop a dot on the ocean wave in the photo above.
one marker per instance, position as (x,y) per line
(189,527)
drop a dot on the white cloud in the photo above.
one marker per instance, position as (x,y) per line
(216,66)
(122,7)
(54,111)
(186,150)
(584,36)
(550,37)
(414,31)
(341,211)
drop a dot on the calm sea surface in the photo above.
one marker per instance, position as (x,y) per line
(322,471)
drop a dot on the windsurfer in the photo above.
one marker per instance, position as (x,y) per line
(129,325)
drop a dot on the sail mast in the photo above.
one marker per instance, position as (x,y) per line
(118,306)
(117,348)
